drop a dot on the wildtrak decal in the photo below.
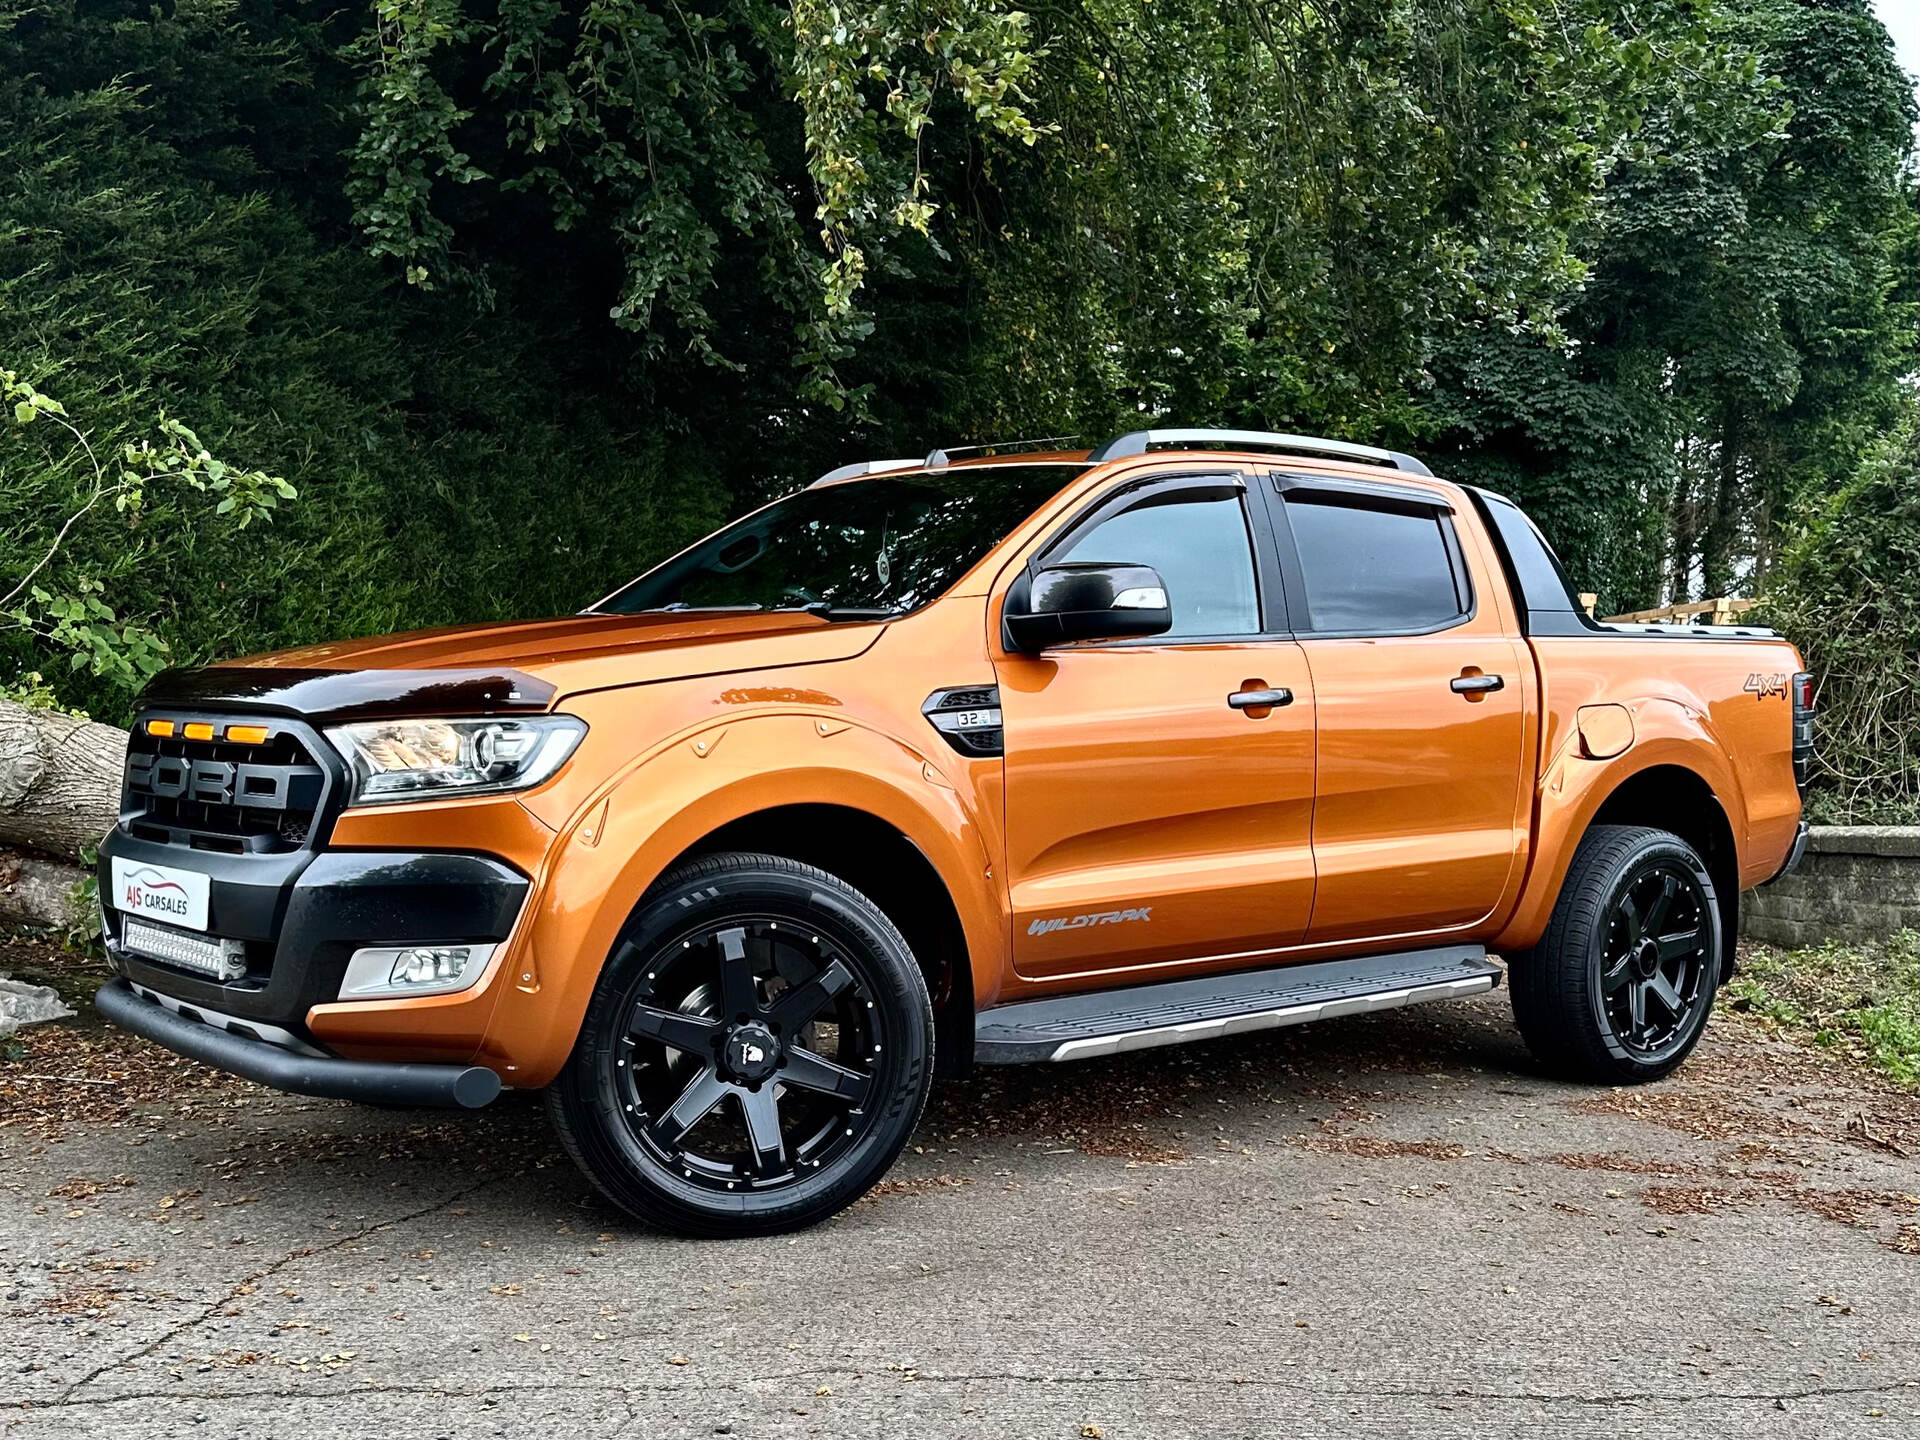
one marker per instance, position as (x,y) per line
(1080,922)
(1761,686)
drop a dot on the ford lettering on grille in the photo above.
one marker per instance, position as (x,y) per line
(214,782)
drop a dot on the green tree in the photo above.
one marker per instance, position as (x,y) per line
(1748,317)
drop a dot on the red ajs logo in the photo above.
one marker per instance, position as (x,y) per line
(1764,685)
(149,892)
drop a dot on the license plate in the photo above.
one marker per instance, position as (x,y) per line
(160,892)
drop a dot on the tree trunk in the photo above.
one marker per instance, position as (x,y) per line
(59,780)
(39,892)
(1682,528)
(1723,520)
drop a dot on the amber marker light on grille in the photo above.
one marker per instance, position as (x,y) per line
(197,730)
(162,728)
(246,734)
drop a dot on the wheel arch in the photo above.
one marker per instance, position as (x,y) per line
(883,863)
(1679,800)
(1681,784)
(891,820)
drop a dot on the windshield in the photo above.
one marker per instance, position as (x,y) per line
(865,549)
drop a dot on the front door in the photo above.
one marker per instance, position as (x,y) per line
(1153,813)
(1421,808)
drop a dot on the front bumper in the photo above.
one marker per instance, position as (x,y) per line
(302,914)
(210,1041)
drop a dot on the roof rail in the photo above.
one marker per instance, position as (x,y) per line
(1139,442)
(935,460)
(864,467)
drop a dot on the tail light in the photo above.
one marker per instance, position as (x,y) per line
(1802,693)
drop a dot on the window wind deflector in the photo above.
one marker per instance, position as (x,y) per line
(1320,490)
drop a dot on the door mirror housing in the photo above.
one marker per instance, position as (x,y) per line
(1085,600)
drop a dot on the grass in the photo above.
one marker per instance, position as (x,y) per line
(1862,999)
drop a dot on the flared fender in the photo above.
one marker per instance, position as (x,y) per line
(1573,787)
(622,840)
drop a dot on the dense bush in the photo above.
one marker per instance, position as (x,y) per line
(450,466)
(1847,592)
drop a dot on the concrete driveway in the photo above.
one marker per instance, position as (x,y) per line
(1386,1225)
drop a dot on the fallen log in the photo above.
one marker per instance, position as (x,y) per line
(41,892)
(59,780)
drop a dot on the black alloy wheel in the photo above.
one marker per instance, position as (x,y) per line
(756,1054)
(1619,987)
(1655,958)
(748,1054)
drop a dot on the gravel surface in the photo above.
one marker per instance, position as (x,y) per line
(1385,1224)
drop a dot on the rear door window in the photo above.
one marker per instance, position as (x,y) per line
(1375,569)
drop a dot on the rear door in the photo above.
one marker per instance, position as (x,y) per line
(1421,803)
(1150,817)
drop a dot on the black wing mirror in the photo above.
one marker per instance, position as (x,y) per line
(1086,601)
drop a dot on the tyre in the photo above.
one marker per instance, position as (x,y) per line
(756,1053)
(1619,987)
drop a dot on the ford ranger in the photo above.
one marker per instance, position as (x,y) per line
(1013,758)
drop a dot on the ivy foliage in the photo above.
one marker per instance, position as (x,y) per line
(649,121)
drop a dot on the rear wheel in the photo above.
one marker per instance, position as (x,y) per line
(1619,988)
(756,1053)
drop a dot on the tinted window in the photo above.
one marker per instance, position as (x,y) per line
(856,550)
(1371,569)
(1198,542)
(1543,584)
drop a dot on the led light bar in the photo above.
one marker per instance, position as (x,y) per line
(203,954)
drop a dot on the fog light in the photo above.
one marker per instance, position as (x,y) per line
(428,966)
(414,969)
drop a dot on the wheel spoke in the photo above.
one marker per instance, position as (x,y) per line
(815,1072)
(762,1111)
(738,994)
(1657,912)
(1679,945)
(1631,914)
(1664,991)
(671,1028)
(703,1092)
(800,1004)
(1637,1007)
(1612,980)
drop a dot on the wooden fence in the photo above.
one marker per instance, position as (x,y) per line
(1723,611)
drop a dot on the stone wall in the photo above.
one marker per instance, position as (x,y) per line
(1856,882)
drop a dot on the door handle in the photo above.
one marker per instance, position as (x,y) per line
(1260,699)
(1475,684)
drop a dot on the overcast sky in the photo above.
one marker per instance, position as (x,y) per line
(1902,19)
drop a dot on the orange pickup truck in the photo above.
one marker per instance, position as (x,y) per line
(945,762)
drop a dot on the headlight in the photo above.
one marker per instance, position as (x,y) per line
(419,759)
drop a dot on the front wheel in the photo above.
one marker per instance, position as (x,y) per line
(1620,985)
(757,1051)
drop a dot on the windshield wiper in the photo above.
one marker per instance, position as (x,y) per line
(681,607)
(828,611)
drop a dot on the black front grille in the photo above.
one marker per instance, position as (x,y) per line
(221,794)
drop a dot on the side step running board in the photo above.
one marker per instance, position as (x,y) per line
(1140,1017)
